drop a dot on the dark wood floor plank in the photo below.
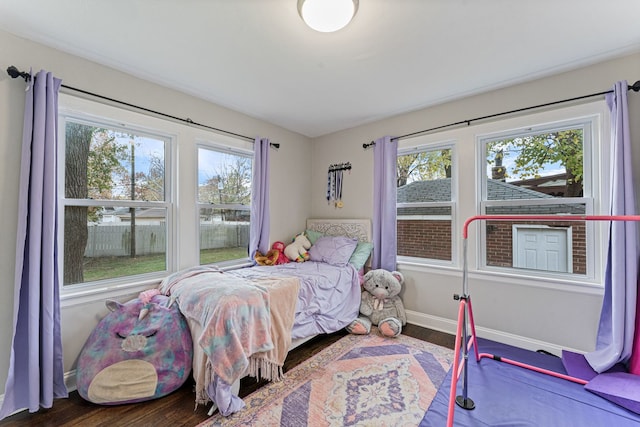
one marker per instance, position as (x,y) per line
(178,408)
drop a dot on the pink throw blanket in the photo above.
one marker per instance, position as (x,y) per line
(238,319)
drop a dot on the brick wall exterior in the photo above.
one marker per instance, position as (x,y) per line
(425,239)
(432,239)
(500,243)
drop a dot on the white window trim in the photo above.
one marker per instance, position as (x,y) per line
(86,111)
(429,143)
(596,114)
(236,147)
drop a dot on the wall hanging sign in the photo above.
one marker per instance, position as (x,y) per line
(334,183)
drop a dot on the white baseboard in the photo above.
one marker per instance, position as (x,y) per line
(70,380)
(450,326)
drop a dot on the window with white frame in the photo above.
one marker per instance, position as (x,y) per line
(539,170)
(224,204)
(426,202)
(115,200)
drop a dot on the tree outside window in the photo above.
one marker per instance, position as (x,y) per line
(114,203)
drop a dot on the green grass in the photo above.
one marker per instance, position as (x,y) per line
(211,256)
(112,267)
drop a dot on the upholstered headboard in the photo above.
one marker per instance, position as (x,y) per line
(355,228)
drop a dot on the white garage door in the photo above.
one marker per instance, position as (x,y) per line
(540,247)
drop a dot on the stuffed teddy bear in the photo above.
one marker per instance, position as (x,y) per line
(269,258)
(275,256)
(380,304)
(297,250)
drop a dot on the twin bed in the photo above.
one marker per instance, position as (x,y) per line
(244,321)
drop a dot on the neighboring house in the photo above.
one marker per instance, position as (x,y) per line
(553,185)
(426,231)
(144,216)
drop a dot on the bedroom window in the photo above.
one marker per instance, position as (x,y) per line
(224,204)
(541,170)
(115,204)
(425,202)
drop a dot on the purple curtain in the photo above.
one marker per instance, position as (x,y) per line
(36,372)
(385,245)
(617,320)
(259,233)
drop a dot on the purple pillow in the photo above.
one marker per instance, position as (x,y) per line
(333,250)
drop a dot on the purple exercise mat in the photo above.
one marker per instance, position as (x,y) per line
(506,395)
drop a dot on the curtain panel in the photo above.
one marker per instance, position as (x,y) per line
(36,371)
(614,341)
(260,217)
(385,244)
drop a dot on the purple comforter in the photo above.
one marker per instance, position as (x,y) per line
(329,296)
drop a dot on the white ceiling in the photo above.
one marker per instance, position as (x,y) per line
(259,58)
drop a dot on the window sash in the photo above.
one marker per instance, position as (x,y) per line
(434,250)
(223,250)
(570,205)
(166,253)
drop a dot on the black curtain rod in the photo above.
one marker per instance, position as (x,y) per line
(635,87)
(15,73)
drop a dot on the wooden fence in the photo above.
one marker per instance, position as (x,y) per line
(115,240)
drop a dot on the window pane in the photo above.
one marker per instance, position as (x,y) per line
(425,232)
(224,234)
(224,182)
(424,216)
(106,243)
(541,165)
(535,168)
(108,164)
(223,178)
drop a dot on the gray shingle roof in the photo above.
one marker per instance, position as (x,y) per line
(439,190)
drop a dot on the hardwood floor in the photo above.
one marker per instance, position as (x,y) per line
(177,409)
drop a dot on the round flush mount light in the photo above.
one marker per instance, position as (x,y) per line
(327,16)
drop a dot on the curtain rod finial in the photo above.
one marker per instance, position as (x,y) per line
(635,86)
(15,73)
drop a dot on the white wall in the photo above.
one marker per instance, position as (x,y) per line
(528,313)
(79,316)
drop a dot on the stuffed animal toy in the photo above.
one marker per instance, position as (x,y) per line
(297,250)
(279,247)
(380,304)
(275,256)
(140,350)
(269,258)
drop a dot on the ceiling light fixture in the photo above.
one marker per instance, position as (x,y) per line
(327,16)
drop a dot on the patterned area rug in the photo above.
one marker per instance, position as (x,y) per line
(360,380)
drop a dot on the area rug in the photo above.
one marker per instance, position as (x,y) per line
(360,380)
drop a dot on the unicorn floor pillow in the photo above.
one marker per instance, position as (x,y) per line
(141,350)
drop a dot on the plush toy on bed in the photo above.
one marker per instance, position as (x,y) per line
(297,250)
(380,304)
(139,351)
(279,247)
(275,256)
